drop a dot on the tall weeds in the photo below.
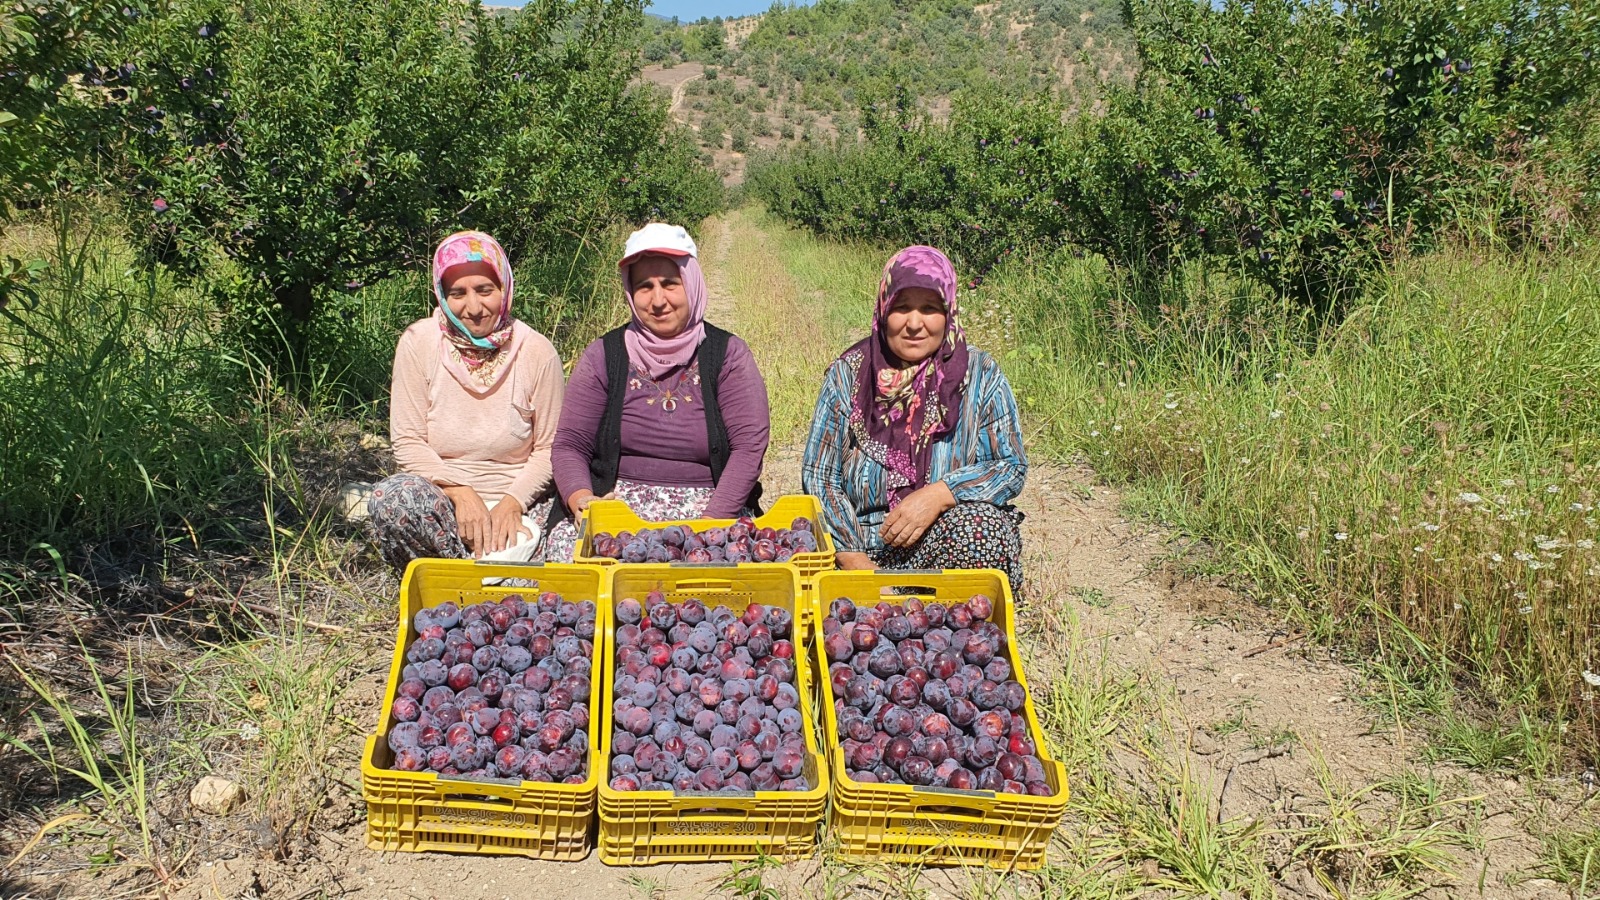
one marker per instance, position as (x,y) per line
(1420,478)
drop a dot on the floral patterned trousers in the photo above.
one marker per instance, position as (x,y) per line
(411,518)
(966,536)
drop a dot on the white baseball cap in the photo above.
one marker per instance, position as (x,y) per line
(659,237)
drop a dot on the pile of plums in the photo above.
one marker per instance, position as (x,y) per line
(740,542)
(924,695)
(498,690)
(705,699)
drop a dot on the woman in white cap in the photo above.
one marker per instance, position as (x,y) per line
(667,413)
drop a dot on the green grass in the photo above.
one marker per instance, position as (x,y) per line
(802,301)
(1418,480)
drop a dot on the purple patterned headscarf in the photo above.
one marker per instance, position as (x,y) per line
(898,412)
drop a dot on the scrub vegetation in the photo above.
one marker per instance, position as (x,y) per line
(1314,286)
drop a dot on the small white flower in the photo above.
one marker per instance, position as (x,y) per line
(1552,544)
(1577,507)
(1592,678)
(1522,555)
(1585,544)
(1302,534)
(1523,609)
(1456,607)
(249,731)
(1277,375)
(1497,558)
(1116,428)
(1275,414)
(1417,549)
(1592,571)
(1094,433)
(1508,482)
(1172,405)
(1553,489)
(1341,536)
(1470,497)
(1244,460)
(1122,384)
(1429,526)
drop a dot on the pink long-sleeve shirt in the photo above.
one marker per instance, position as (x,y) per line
(497,443)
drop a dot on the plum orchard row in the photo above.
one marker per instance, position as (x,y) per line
(705,699)
(925,695)
(740,542)
(498,690)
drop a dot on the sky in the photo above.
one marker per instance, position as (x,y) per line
(689,10)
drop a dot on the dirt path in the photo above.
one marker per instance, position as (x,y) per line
(1228,720)
(675,79)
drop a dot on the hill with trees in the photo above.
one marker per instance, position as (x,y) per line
(802,75)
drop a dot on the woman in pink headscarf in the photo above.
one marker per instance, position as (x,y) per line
(473,410)
(667,413)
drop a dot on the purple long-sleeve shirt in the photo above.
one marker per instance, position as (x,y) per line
(667,446)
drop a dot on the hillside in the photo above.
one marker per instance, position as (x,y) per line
(796,75)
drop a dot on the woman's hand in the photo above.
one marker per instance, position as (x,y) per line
(472,517)
(849,560)
(581,498)
(912,517)
(505,525)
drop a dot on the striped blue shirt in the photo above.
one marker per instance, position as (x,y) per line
(980,460)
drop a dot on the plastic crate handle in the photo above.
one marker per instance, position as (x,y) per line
(704,585)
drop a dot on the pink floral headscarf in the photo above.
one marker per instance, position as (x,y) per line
(478,363)
(898,412)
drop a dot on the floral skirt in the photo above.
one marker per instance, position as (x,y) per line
(651,502)
(411,518)
(966,536)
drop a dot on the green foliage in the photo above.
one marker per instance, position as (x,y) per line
(48,53)
(320,145)
(1297,143)
(48,56)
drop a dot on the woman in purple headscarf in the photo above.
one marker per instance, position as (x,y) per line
(667,413)
(916,444)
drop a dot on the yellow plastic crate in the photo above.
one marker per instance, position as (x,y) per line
(936,826)
(417,811)
(640,828)
(613,516)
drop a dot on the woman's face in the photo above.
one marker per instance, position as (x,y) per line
(474,296)
(915,324)
(659,298)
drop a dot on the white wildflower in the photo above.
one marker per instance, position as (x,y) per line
(1470,497)
(1552,544)
(1172,405)
(1553,489)
(1523,609)
(1585,544)
(1496,558)
(1429,526)
(1522,555)
(1508,482)
(1275,414)
(1577,507)
(1341,536)
(1116,428)
(1094,433)
(1592,678)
